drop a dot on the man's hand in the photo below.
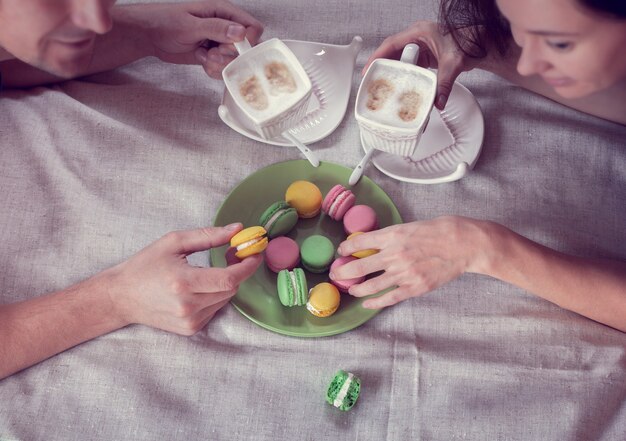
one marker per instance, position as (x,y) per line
(157,287)
(194,33)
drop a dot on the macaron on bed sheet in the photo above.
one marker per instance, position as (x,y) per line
(252,200)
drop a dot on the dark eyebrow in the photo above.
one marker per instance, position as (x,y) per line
(554,34)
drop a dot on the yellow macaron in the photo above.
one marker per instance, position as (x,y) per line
(305,197)
(363,253)
(323,299)
(252,240)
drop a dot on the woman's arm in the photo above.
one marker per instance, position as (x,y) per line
(418,257)
(594,288)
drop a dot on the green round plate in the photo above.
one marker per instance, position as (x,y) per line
(257,298)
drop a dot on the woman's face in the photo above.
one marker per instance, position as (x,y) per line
(55,35)
(575,50)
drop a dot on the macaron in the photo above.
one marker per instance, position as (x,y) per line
(360,218)
(344,285)
(292,287)
(344,390)
(278,219)
(282,253)
(305,197)
(323,299)
(337,201)
(249,241)
(317,253)
(363,253)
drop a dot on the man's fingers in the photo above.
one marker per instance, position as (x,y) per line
(214,280)
(226,23)
(214,60)
(220,30)
(191,241)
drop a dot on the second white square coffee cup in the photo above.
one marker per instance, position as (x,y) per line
(394,102)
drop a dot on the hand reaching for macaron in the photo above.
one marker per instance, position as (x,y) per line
(414,258)
(157,286)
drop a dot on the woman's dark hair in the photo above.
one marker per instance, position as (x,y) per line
(477,25)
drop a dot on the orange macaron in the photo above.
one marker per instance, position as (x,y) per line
(305,197)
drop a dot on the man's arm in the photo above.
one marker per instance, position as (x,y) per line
(36,329)
(177,33)
(155,287)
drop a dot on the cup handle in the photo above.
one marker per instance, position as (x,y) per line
(410,53)
(242,46)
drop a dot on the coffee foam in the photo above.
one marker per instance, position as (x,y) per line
(267,83)
(398,97)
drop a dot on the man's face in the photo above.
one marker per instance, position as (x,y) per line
(54,35)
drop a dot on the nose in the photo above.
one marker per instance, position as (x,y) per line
(93,15)
(531,59)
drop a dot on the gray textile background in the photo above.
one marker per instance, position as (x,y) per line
(94,170)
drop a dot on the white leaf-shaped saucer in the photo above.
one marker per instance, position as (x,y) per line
(449,147)
(330,68)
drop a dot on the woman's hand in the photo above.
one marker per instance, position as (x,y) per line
(436,51)
(196,32)
(415,258)
(157,286)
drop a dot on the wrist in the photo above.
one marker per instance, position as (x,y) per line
(487,247)
(105,286)
(133,29)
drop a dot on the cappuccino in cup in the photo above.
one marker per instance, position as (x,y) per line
(266,84)
(393,103)
(396,97)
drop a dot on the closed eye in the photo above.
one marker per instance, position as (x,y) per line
(559,45)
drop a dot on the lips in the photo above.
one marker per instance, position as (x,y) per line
(559,82)
(76,41)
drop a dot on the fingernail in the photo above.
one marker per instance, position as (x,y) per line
(201,55)
(332,276)
(441,101)
(216,58)
(236,32)
(232,227)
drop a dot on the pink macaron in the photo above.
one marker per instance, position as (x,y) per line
(337,201)
(344,285)
(360,218)
(282,253)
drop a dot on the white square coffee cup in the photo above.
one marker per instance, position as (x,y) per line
(394,102)
(247,80)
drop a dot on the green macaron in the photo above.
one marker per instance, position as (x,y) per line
(343,390)
(317,253)
(292,287)
(278,219)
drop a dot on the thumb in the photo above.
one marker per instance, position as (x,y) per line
(248,266)
(448,70)
(220,30)
(201,239)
